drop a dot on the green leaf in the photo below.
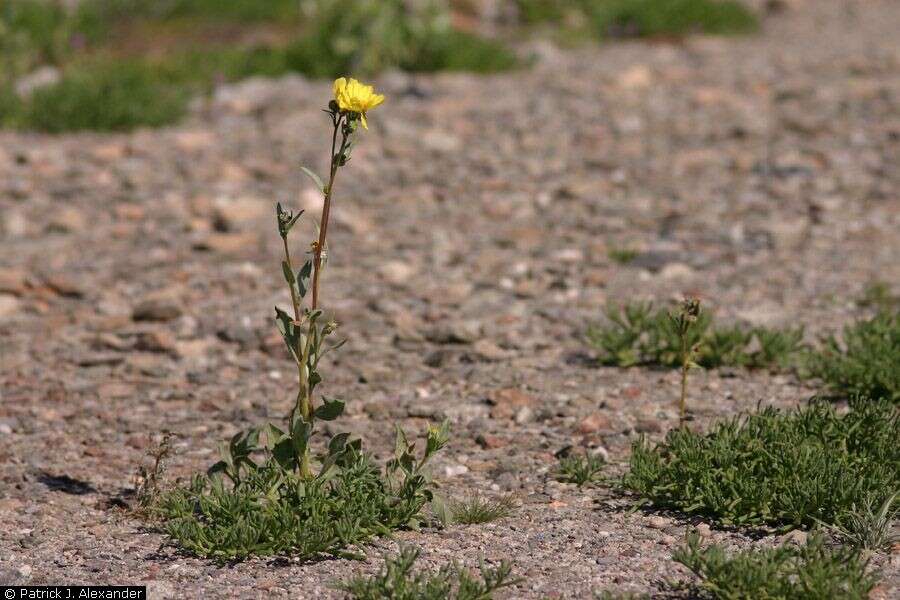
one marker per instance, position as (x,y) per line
(330,409)
(288,274)
(288,331)
(315,178)
(338,443)
(303,277)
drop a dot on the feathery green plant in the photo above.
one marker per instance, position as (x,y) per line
(637,334)
(864,360)
(809,572)
(481,509)
(792,469)
(396,581)
(869,528)
(580,469)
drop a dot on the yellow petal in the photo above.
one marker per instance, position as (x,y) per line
(362,118)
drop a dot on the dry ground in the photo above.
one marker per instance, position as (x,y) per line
(469,253)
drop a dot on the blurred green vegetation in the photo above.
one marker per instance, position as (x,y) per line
(122,64)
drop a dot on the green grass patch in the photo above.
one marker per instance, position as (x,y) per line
(864,360)
(273,511)
(810,572)
(397,581)
(670,17)
(638,334)
(791,469)
(479,509)
(112,97)
(580,469)
(642,18)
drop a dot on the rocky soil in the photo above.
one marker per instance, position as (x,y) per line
(470,250)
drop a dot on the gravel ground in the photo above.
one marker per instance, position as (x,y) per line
(469,252)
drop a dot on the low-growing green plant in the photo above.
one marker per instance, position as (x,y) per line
(869,527)
(809,572)
(290,503)
(638,334)
(480,509)
(370,35)
(265,509)
(670,17)
(108,97)
(878,295)
(580,469)
(791,469)
(622,256)
(396,581)
(864,360)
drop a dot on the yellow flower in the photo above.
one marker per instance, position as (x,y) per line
(353,96)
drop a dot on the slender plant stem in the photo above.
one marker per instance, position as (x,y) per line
(326,210)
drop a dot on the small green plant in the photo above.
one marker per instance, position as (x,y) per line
(480,509)
(791,469)
(396,581)
(878,295)
(689,342)
(290,503)
(670,17)
(580,469)
(868,527)
(148,479)
(370,35)
(863,361)
(622,256)
(638,334)
(611,595)
(810,572)
(109,97)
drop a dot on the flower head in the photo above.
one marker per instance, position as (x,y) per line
(355,97)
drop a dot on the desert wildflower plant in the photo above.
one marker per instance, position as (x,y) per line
(268,494)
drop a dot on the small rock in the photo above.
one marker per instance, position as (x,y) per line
(157,309)
(65,286)
(25,571)
(796,536)
(488,441)
(13,281)
(67,219)
(229,243)
(235,214)
(9,305)
(460,332)
(488,350)
(594,423)
(657,522)
(524,415)
(635,78)
(648,425)
(509,401)
(676,271)
(397,271)
(455,470)
(156,341)
(41,77)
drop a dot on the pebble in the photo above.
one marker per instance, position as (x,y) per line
(157,309)
(9,305)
